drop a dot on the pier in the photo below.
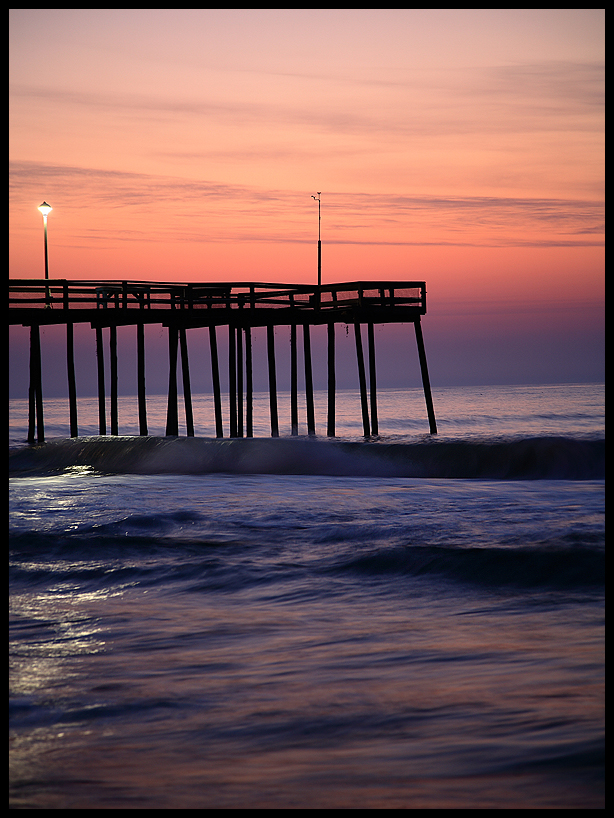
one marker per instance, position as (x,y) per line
(234,308)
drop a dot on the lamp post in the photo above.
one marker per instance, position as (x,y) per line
(317,199)
(46,209)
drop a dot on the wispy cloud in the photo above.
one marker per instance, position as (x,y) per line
(515,98)
(206,210)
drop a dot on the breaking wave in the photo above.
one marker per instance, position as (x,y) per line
(533,458)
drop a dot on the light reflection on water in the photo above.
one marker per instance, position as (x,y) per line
(217,700)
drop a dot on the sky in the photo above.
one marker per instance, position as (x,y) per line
(463,147)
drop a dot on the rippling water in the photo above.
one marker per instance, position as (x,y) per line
(304,630)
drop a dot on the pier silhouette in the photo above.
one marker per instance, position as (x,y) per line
(237,307)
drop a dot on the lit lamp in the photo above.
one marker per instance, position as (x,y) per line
(46,209)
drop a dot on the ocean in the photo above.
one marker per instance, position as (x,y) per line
(401,622)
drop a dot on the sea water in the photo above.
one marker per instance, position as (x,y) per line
(400,622)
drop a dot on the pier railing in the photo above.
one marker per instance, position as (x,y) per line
(147,297)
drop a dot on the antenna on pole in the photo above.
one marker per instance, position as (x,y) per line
(317,199)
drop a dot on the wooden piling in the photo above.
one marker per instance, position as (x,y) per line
(425,377)
(102,411)
(362,380)
(293,382)
(249,385)
(140,378)
(215,378)
(270,332)
(172,418)
(187,391)
(232,379)
(113,367)
(311,420)
(72,386)
(372,380)
(36,425)
(330,423)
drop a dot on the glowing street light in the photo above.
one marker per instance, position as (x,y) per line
(46,209)
(317,198)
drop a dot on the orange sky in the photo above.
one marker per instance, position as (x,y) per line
(460,146)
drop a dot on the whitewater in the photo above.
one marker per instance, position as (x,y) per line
(401,622)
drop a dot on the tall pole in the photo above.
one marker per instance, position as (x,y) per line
(46,251)
(317,199)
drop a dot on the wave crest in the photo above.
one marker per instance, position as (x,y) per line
(515,459)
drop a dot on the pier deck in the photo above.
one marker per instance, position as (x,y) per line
(250,304)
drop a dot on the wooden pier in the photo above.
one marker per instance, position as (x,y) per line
(239,307)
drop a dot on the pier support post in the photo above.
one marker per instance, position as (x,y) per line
(215,378)
(425,377)
(172,419)
(293,381)
(72,386)
(113,360)
(140,378)
(249,385)
(187,391)
(311,420)
(270,333)
(362,380)
(330,425)
(35,391)
(232,378)
(372,380)
(102,412)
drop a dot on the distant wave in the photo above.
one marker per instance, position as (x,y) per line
(564,565)
(534,458)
